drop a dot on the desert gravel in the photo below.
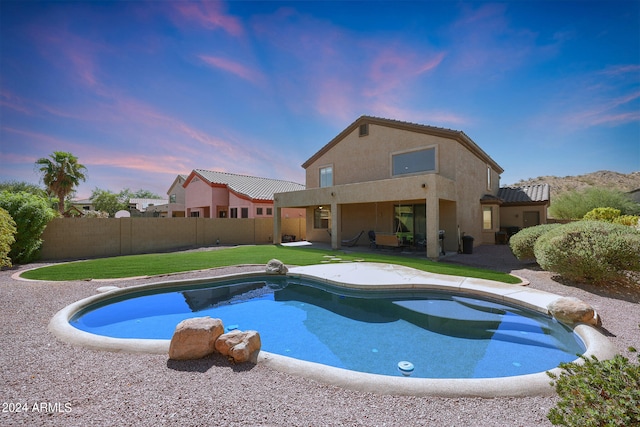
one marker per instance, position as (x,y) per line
(56,384)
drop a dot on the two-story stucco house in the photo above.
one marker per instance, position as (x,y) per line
(404,181)
(212,194)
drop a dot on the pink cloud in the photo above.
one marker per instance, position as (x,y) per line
(393,68)
(602,112)
(208,14)
(69,52)
(234,68)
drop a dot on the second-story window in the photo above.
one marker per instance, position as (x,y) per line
(326,176)
(418,161)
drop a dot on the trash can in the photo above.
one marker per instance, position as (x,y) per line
(467,244)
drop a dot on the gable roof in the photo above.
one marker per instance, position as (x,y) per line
(456,135)
(539,193)
(180,179)
(251,187)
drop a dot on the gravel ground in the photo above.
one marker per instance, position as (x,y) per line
(54,383)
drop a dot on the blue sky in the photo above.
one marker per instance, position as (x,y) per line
(142,91)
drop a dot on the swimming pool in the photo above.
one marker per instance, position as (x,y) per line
(354,278)
(442,335)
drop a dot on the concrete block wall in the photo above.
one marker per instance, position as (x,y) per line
(80,238)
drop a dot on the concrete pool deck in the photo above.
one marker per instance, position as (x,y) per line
(363,275)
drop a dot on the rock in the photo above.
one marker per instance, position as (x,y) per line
(195,338)
(240,346)
(573,310)
(276,267)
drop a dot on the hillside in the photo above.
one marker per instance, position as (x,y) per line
(603,179)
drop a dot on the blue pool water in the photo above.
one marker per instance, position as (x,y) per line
(442,335)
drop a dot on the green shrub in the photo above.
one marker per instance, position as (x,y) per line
(589,251)
(575,204)
(628,220)
(31,214)
(522,242)
(7,237)
(602,214)
(597,393)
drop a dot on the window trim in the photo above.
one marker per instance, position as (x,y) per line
(318,220)
(435,169)
(320,169)
(491,219)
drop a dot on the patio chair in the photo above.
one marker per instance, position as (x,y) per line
(372,239)
(353,241)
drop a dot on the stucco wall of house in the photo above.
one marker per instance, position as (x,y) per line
(452,192)
(513,216)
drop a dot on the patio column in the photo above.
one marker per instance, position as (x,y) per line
(335,225)
(277,225)
(433,226)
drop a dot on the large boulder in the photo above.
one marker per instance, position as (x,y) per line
(572,310)
(195,338)
(275,266)
(238,345)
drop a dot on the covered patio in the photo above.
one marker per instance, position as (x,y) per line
(402,212)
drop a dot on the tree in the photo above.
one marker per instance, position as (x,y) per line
(7,237)
(576,204)
(61,173)
(31,214)
(18,186)
(127,194)
(107,201)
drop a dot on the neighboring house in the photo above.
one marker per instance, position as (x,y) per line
(155,207)
(83,205)
(176,197)
(212,194)
(404,181)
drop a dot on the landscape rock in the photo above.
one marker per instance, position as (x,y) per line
(240,346)
(275,266)
(195,338)
(573,310)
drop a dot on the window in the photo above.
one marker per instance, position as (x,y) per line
(244,212)
(364,129)
(269,211)
(321,217)
(414,162)
(233,213)
(488,178)
(195,214)
(172,198)
(326,176)
(487,218)
(258,211)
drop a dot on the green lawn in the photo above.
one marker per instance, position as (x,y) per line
(155,264)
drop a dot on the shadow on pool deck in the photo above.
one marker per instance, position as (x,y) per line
(493,257)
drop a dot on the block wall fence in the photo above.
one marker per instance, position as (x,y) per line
(79,238)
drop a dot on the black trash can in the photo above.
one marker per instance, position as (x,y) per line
(467,244)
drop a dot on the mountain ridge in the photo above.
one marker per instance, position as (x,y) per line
(602,179)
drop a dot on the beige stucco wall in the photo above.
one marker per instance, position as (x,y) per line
(362,174)
(513,216)
(78,238)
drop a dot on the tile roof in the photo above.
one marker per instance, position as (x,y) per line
(525,194)
(254,187)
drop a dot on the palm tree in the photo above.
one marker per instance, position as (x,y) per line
(61,173)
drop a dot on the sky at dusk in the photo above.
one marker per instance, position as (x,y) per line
(141,91)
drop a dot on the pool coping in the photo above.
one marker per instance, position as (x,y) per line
(363,275)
